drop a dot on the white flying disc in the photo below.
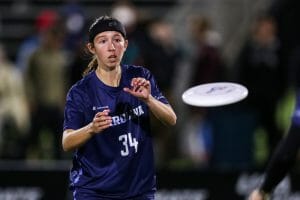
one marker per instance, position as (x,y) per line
(214,94)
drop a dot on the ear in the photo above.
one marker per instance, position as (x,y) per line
(90,47)
(126,44)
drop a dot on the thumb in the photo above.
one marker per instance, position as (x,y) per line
(126,89)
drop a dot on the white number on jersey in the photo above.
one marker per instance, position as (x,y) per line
(128,141)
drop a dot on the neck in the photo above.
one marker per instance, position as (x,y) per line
(110,77)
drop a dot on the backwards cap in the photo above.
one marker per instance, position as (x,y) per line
(105,23)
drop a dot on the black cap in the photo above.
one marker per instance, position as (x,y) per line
(105,23)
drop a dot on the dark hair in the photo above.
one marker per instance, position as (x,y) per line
(101,24)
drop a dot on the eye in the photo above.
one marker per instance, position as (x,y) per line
(118,39)
(102,41)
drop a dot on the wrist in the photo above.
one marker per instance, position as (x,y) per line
(89,129)
(149,99)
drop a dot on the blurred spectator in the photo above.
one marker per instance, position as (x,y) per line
(14,115)
(206,66)
(197,139)
(46,82)
(43,21)
(77,63)
(161,54)
(259,67)
(74,19)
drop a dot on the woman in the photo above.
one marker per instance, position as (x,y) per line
(107,121)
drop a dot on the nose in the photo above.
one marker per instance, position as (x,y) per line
(111,46)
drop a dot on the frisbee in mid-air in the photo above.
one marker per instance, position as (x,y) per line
(215,94)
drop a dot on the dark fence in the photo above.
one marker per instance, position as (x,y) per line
(42,180)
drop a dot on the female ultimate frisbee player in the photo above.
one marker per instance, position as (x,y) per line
(282,160)
(107,121)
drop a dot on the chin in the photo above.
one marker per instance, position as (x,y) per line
(112,65)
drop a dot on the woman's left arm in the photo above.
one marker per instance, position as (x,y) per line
(141,88)
(161,111)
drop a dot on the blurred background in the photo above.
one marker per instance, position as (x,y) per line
(212,153)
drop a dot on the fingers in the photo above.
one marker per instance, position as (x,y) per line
(137,83)
(101,121)
(140,88)
(103,113)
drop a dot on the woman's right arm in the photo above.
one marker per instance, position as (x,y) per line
(73,139)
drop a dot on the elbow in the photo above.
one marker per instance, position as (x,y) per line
(173,120)
(65,146)
(66,149)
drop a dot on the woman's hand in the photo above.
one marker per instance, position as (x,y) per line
(101,121)
(140,88)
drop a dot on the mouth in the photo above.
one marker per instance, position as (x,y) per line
(112,57)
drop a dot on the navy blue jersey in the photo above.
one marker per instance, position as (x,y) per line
(117,163)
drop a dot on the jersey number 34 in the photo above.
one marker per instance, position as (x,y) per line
(128,142)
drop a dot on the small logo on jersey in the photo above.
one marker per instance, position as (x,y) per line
(100,108)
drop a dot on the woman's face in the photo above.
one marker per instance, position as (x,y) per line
(109,47)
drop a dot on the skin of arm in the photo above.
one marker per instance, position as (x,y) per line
(162,111)
(73,139)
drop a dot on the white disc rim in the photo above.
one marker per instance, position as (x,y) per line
(215,94)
